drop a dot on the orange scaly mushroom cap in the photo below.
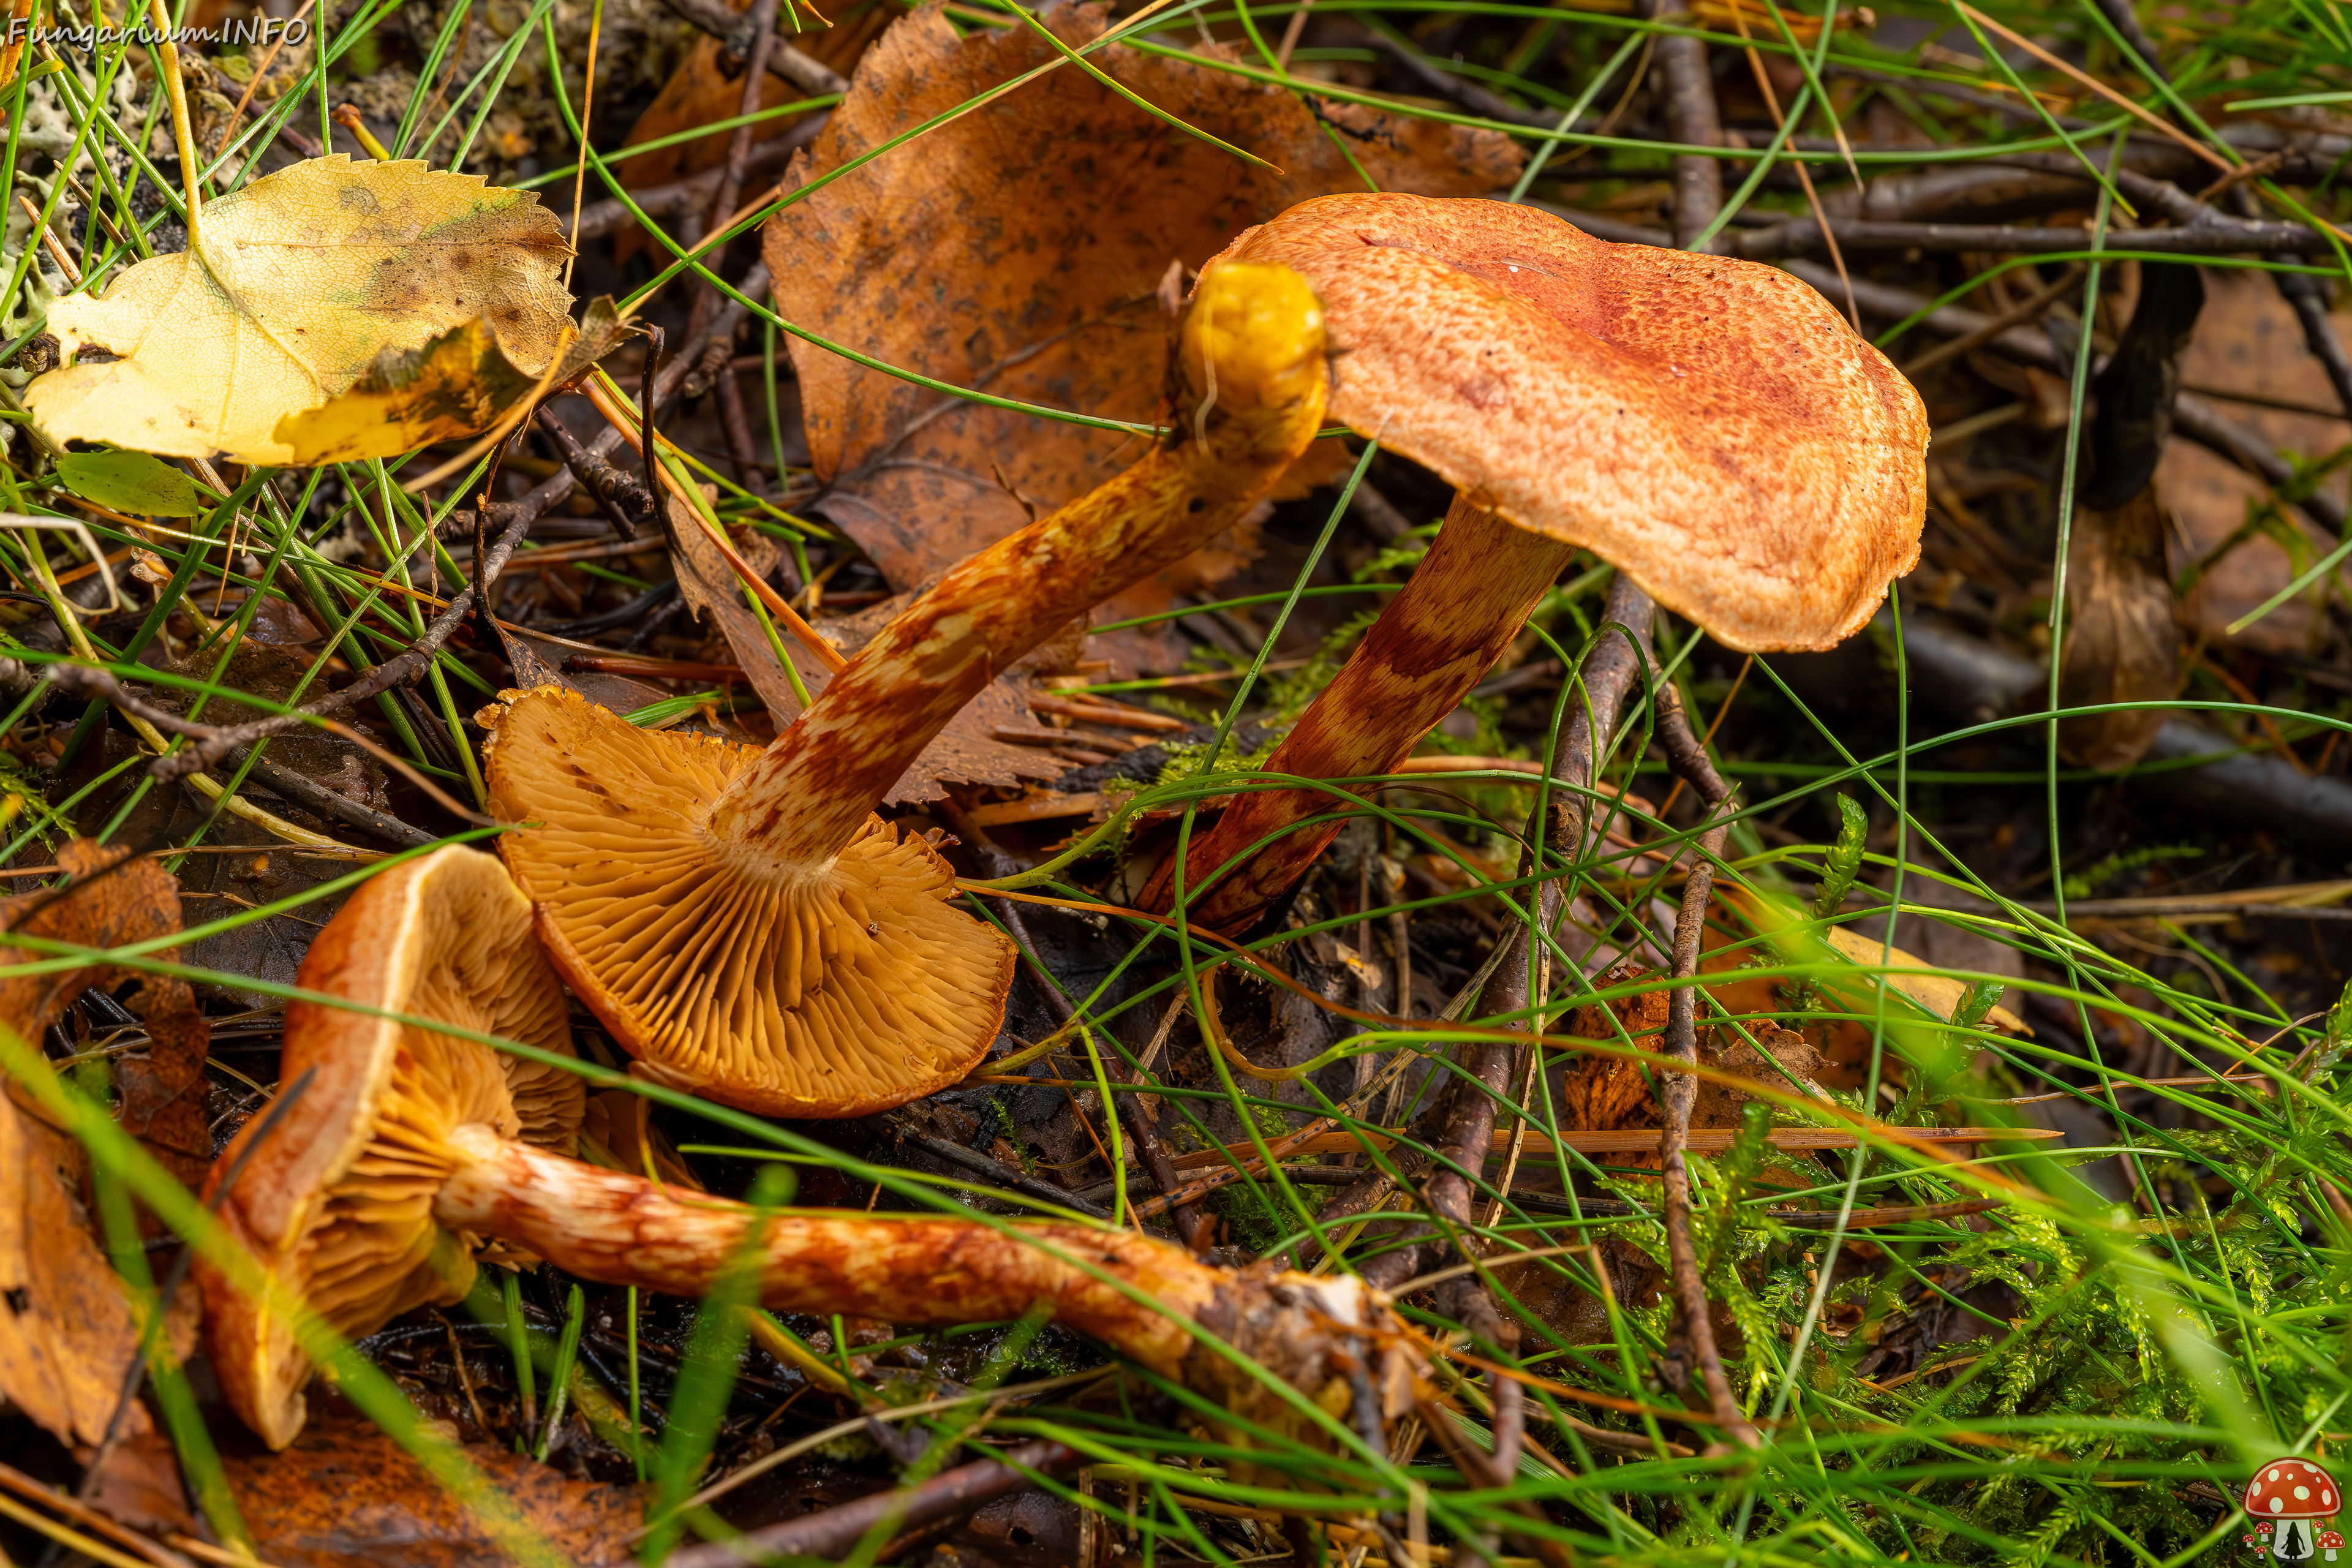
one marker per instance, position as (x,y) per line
(834,988)
(1714,428)
(338,1200)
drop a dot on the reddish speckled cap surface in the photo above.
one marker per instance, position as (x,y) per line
(1713,427)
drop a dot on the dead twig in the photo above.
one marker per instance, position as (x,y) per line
(830,1535)
(2218,236)
(2027,309)
(329,802)
(1692,120)
(1524,978)
(1679,1090)
(899,1130)
(693,192)
(736,34)
(211,744)
(622,499)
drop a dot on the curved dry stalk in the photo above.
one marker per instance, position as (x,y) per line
(1607,675)
(1465,1118)
(1692,116)
(1679,1090)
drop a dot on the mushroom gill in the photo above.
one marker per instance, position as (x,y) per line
(830,989)
(339,1199)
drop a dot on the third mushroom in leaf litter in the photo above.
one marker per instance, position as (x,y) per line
(412,1148)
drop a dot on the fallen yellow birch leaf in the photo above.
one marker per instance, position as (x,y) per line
(306,277)
(456,385)
(1930,991)
(1933,993)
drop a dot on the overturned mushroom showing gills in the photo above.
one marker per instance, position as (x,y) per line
(739,920)
(339,1200)
(1712,427)
(409,1150)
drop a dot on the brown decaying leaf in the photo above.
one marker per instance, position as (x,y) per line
(1019,250)
(1601,1094)
(2247,340)
(163,1085)
(965,753)
(67,1330)
(139,1485)
(1608,1093)
(2123,643)
(346,1496)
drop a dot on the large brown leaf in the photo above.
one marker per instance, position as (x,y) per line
(345,1495)
(1019,250)
(67,1330)
(163,1084)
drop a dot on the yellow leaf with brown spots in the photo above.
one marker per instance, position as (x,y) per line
(305,278)
(459,385)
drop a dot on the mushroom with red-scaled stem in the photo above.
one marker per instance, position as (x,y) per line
(1712,427)
(739,920)
(411,1147)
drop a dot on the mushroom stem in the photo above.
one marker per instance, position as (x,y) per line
(1468,598)
(621,1229)
(1251,397)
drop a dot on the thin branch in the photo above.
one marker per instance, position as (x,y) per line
(694,193)
(898,1129)
(1686,755)
(831,1535)
(209,750)
(2216,236)
(1468,94)
(1692,121)
(734,31)
(622,498)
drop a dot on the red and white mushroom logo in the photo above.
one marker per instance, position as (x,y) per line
(2295,1493)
